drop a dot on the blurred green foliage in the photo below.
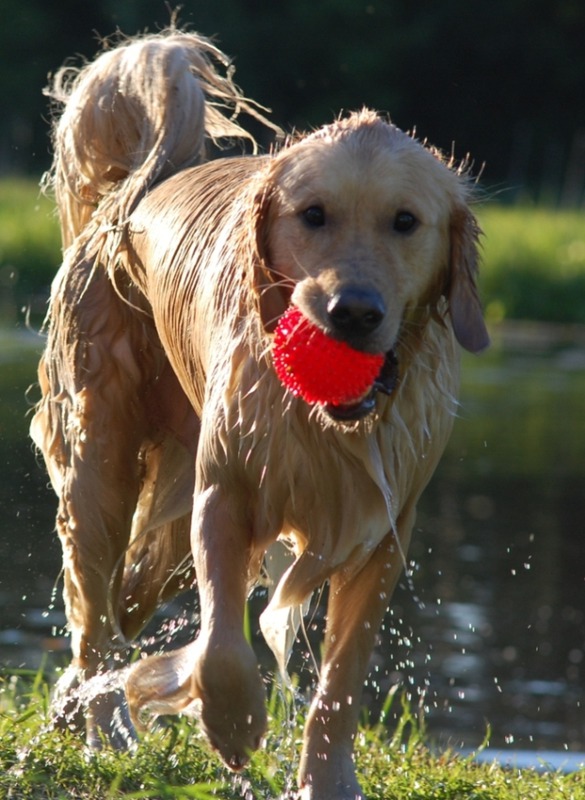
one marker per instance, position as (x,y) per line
(534,264)
(29,249)
(504,80)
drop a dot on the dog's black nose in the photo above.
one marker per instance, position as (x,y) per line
(355,311)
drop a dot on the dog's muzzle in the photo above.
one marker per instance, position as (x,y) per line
(386,383)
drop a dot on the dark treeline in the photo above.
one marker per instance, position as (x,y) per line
(503,80)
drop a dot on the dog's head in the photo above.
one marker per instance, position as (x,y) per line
(365,229)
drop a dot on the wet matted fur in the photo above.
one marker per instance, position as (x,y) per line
(163,425)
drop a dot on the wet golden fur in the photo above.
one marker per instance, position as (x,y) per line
(163,425)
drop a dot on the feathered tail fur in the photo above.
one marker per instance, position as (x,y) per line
(139,113)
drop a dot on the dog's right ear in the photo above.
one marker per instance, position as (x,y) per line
(272,296)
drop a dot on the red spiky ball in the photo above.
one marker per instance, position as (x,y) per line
(318,368)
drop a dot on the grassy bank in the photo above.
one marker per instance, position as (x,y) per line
(37,763)
(533,264)
(534,259)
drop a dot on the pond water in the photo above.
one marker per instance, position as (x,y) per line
(490,626)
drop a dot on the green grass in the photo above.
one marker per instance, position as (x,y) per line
(37,763)
(533,266)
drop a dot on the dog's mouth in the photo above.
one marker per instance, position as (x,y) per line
(386,383)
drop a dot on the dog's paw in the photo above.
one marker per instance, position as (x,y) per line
(108,722)
(328,775)
(92,706)
(231,700)
(67,712)
(338,790)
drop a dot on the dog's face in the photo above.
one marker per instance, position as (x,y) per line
(365,228)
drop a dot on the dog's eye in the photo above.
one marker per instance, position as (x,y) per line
(404,222)
(314,216)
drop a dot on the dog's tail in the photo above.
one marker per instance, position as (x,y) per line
(138,113)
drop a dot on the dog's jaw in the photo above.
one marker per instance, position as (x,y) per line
(385,383)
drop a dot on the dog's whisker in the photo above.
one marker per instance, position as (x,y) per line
(285,283)
(284,277)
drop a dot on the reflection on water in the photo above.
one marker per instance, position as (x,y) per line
(499,560)
(490,629)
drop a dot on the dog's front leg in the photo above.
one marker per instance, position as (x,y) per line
(355,611)
(226,679)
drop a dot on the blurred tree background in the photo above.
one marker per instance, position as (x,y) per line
(501,79)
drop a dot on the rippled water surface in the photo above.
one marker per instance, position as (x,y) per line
(490,627)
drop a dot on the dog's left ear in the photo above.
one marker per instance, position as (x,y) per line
(464,305)
(272,296)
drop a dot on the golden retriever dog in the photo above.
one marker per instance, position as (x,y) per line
(164,427)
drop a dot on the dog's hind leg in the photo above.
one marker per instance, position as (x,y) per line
(90,425)
(93,522)
(99,484)
(158,561)
(159,569)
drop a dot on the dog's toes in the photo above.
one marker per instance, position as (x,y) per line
(234,738)
(329,776)
(331,792)
(85,706)
(67,712)
(108,723)
(231,699)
